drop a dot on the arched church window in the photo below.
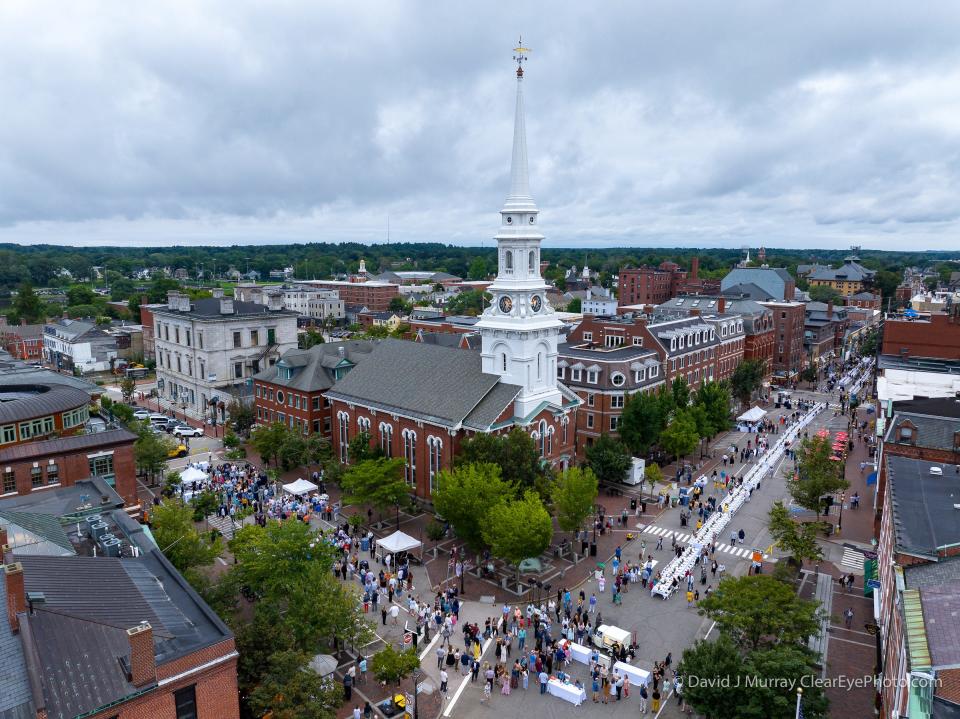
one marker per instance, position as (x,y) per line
(539,365)
(533,259)
(508,260)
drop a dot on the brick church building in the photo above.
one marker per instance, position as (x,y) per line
(419,401)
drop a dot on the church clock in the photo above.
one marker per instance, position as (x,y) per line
(536,303)
(506,304)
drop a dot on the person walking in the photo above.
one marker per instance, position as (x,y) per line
(443,681)
(848,617)
(644,696)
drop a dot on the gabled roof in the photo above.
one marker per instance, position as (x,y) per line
(313,368)
(64,445)
(437,384)
(747,290)
(849,271)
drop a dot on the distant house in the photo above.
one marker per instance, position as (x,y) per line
(77,345)
(849,279)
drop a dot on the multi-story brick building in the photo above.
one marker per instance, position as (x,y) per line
(419,401)
(788,354)
(649,285)
(149,333)
(604,378)
(918,561)
(866,300)
(210,349)
(99,624)
(933,336)
(292,390)
(850,278)
(23,341)
(372,294)
(43,444)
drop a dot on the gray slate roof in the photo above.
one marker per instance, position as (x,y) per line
(849,271)
(748,290)
(66,444)
(15,695)
(923,514)
(49,400)
(437,384)
(313,368)
(931,432)
(210,307)
(941,615)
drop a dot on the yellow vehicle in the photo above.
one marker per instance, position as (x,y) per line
(179,451)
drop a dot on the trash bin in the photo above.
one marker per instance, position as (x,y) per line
(643,507)
(633,503)
(583,547)
(364,544)
(593,549)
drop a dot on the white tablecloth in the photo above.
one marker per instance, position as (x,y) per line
(567,692)
(580,653)
(637,675)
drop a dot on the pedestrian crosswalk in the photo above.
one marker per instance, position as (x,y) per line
(684,538)
(852,558)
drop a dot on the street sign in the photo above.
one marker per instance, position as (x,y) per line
(873,583)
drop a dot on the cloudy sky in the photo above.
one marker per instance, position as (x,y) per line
(650,124)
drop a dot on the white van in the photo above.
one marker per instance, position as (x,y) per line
(637,472)
(607,635)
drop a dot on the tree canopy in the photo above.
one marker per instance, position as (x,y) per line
(518,528)
(515,453)
(799,539)
(819,475)
(609,459)
(746,379)
(376,482)
(574,494)
(172,525)
(641,423)
(464,497)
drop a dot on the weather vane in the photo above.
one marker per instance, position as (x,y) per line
(520,56)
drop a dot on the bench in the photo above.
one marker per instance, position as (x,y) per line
(818,642)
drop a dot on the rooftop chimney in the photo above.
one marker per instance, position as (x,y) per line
(275,302)
(16,594)
(143,663)
(217,292)
(173,299)
(694,268)
(226,306)
(721,304)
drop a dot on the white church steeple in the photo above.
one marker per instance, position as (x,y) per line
(519,330)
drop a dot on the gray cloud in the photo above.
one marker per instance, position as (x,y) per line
(681,123)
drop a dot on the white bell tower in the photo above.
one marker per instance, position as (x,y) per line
(519,330)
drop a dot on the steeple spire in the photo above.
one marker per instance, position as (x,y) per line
(520,198)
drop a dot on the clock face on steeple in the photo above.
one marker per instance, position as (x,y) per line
(506,304)
(536,303)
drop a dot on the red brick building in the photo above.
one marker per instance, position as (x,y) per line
(373,295)
(122,625)
(865,300)
(23,341)
(453,324)
(934,336)
(788,354)
(292,390)
(419,401)
(651,285)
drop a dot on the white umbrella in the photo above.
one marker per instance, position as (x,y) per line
(192,474)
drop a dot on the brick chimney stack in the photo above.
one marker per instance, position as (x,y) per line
(721,304)
(694,268)
(143,663)
(16,594)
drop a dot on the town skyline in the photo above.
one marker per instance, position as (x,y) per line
(744,129)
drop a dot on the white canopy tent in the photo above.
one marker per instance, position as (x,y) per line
(397,542)
(193,474)
(752,415)
(300,487)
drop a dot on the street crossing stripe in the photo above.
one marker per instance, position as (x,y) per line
(726,548)
(852,558)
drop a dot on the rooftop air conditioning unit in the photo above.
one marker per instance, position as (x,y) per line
(98,530)
(93,519)
(112,547)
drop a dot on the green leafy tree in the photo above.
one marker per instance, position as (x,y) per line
(287,567)
(27,306)
(823,293)
(378,483)
(798,539)
(574,305)
(397,304)
(127,387)
(609,459)
(517,529)
(722,662)
(574,494)
(681,392)
(173,529)
(819,475)
(641,423)
(465,495)
(714,397)
(746,379)
(268,441)
(479,269)
(290,689)
(310,338)
(652,475)
(390,666)
(741,608)
(360,449)
(680,437)
(80,295)
(151,450)
(515,453)
(242,416)
(470,303)
(784,667)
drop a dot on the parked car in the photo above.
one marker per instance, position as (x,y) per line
(179,451)
(183,430)
(141,414)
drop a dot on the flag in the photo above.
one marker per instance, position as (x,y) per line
(799,705)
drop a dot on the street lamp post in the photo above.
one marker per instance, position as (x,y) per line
(183,407)
(416,680)
(840,517)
